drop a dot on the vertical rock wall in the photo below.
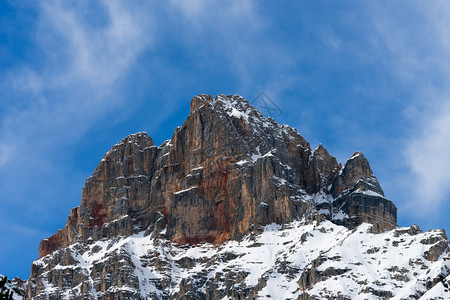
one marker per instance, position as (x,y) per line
(224,173)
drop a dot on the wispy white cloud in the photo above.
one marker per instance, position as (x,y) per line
(98,54)
(237,32)
(418,54)
(76,80)
(427,154)
(5,153)
(427,150)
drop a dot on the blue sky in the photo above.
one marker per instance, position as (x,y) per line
(78,76)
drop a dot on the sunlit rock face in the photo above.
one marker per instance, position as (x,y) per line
(226,173)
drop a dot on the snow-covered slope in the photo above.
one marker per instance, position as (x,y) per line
(9,287)
(294,261)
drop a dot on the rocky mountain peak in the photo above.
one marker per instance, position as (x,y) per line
(320,151)
(322,170)
(356,175)
(226,171)
(233,205)
(357,165)
(199,101)
(233,105)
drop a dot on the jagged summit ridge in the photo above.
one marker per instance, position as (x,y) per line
(225,175)
(225,172)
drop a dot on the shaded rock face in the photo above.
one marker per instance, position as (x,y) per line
(358,194)
(224,173)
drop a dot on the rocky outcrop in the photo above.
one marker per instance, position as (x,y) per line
(311,275)
(440,245)
(359,196)
(12,289)
(322,170)
(225,173)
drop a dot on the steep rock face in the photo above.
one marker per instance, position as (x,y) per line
(358,194)
(118,188)
(226,171)
(322,170)
(214,179)
(224,174)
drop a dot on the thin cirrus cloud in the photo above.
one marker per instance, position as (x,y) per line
(5,153)
(96,53)
(427,148)
(238,39)
(74,82)
(419,55)
(427,154)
